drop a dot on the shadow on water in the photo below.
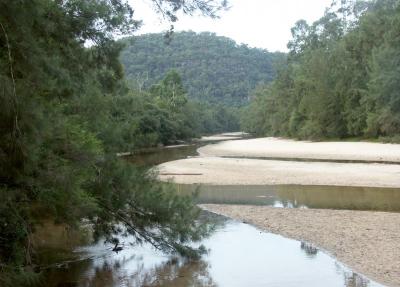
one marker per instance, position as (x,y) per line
(157,156)
(299,196)
(239,255)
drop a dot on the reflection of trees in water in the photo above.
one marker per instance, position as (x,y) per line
(287,203)
(351,279)
(113,270)
(339,197)
(354,280)
(106,275)
(174,272)
(154,156)
(294,196)
(309,249)
(178,273)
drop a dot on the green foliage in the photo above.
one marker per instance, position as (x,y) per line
(214,69)
(170,92)
(341,78)
(65,113)
(148,210)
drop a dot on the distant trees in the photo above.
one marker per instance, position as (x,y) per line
(65,113)
(170,91)
(162,115)
(214,69)
(340,79)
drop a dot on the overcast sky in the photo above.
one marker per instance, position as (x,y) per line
(258,23)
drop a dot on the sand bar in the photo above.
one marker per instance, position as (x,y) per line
(226,171)
(284,148)
(223,137)
(367,241)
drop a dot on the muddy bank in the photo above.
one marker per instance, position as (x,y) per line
(366,241)
(284,148)
(231,171)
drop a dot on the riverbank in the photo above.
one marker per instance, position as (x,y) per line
(235,171)
(367,241)
(291,149)
(280,161)
(222,137)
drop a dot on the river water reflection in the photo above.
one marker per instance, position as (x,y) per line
(292,196)
(239,255)
(299,196)
(157,156)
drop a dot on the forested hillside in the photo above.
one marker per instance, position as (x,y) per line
(65,114)
(341,78)
(214,69)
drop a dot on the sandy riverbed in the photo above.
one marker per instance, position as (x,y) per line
(366,241)
(212,168)
(284,148)
(225,171)
(222,137)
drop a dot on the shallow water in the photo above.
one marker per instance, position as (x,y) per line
(292,196)
(239,255)
(299,196)
(160,155)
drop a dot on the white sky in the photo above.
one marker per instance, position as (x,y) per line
(258,23)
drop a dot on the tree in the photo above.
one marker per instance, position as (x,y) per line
(170,91)
(214,69)
(340,78)
(63,119)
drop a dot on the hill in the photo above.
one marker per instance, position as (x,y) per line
(213,68)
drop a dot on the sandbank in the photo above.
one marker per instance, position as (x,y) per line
(285,148)
(226,171)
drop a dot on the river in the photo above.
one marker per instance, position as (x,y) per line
(238,254)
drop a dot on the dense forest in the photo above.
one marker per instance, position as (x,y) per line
(214,69)
(341,78)
(65,113)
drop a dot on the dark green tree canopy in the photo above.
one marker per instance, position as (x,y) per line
(170,90)
(341,78)
(65,112)
(214,69)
